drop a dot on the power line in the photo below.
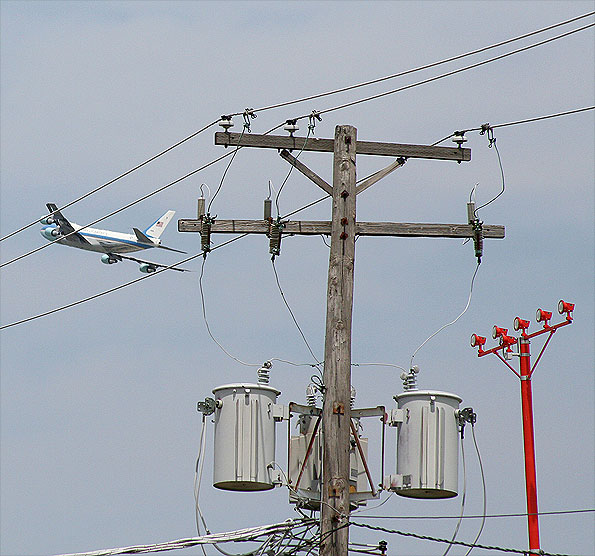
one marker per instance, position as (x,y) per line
(140,199)
(248,534)
(329,93)
(452,322)
(443,75)
(420,68)
(143,198)
(479,516)
(121,286)
(459,543)
(536,119)
(204,314)
(93,191)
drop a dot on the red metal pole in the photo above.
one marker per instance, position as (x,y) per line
(529,443)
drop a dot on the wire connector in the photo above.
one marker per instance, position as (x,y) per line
(248,114)
(487,128)
(464,416)
(315,115)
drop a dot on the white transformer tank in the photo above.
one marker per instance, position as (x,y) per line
(427,444)
(244,436)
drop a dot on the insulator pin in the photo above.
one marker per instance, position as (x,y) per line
(264,373)
(410,379)
(311,395)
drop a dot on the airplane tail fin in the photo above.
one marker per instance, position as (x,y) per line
(156,229)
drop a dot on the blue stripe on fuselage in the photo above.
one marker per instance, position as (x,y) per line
(117,240)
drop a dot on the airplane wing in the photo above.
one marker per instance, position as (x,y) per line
(150,264)
(64,225)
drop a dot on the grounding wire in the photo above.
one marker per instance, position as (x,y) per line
(290,170)
(524,552)
(447,74)
(93,191)
(493,142)
(235,151)
(452,322)
(420,68)
(463,498)
(144,197)
(485,495)
(121,286)
(204,314)
(200,459)
(292,314)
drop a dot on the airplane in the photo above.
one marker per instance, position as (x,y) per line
(111,244)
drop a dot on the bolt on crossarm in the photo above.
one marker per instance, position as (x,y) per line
(526,372)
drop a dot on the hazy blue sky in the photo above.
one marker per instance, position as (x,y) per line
(99,429)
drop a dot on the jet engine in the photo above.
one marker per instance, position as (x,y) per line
(106,259)
(51,233)
(47,220)
(147,268)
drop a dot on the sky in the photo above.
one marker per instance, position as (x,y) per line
(99,428)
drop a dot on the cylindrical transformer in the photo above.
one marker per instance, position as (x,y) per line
(244,436)
(427,444)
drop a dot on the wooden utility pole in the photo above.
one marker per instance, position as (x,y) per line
(343,229)
(336,408)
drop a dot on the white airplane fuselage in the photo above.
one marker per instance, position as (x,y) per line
(101,241)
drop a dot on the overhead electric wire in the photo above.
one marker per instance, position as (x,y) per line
(248,534)
(140,199)
(204,314)
(138,166)
(452,322)
(121,286)
(463,498)
(420,68)
(448,74)
(524,552)
(329,93)
(292,314)
(481,516)
(528,120)
(483,482)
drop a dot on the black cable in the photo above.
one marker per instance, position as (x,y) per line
(503,180)
(226,169)
(144,197)
(459,543)
(159,271)
(528,120)
(420,68)
(116,178)
(443,75)
(291,170)
(426,517)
